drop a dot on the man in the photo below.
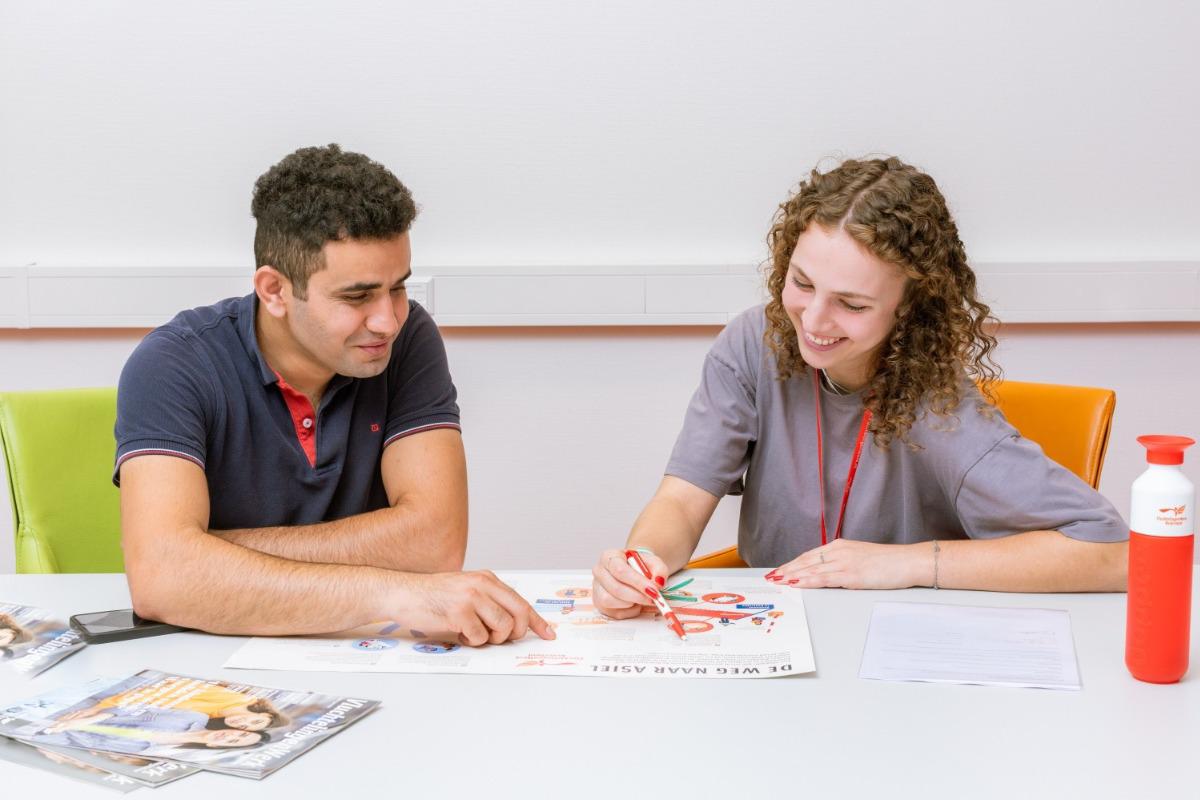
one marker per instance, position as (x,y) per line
(291,461)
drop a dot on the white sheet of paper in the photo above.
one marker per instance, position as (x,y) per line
(737,628)
(1025,647)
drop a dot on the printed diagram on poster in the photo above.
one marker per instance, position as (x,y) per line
(737,628)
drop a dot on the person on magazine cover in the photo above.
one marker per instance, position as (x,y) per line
(108,725)
(153,718)
(291,461)
(11,633)
(221,707)
(869,348)
(32,640)
(101,736)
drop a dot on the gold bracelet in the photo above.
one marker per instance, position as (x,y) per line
(937,548)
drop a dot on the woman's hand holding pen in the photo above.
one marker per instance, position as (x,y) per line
(620,591)
(848,564)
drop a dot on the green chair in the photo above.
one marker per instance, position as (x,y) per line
(58,450)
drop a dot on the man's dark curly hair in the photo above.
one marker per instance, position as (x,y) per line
(324,194)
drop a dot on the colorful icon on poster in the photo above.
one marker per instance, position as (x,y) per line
(375,645)
(723,598)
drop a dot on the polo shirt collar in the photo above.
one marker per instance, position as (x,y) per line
(247,331)
(247,316)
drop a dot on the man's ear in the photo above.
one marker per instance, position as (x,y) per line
(274,290)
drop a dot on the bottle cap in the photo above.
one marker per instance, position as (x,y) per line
(1165,449)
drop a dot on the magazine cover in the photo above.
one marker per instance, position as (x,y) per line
(62,763)
(34,712)
(221,726)
(32,640)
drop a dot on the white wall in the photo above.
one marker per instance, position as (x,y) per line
(567,430)
(600,131)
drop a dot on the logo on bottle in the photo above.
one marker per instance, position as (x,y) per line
(1172,515)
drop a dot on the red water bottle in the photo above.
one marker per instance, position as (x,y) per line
(1161,542)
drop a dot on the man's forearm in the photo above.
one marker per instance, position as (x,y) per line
(395,538)
(1038,561)
(200,581)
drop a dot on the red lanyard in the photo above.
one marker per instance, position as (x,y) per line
(858,444)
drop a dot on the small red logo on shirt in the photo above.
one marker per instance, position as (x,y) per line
(374,427)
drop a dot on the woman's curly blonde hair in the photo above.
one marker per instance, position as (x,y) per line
(897,213)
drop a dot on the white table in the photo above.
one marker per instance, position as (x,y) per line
(828,735)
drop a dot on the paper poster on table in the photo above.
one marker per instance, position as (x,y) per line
(937,643)
(737,628)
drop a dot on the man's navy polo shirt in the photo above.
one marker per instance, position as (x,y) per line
(199,388)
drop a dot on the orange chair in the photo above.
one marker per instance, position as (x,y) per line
(1071,423)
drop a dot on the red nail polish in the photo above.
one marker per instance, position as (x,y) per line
(660,580)
(772,572)
(651,592)
(792,583)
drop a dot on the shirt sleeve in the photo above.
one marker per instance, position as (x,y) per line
(1015,488)
(720,426)
(161,403)
(423,396)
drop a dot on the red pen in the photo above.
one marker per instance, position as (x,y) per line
(635,560)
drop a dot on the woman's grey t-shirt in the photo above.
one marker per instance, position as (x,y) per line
(973,476)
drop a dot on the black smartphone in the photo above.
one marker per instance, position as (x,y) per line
(113,626)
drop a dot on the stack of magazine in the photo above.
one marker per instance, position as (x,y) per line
(153,727)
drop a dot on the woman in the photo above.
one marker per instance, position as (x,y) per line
(860,373)
(254,716)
